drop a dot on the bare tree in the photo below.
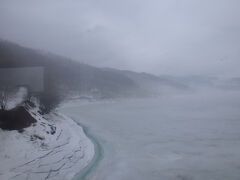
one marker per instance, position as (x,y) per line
(49,101)
(11,97)
(4,96)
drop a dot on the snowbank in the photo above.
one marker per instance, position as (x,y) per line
(54,148)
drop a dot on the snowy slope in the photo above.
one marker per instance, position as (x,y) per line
(55,148)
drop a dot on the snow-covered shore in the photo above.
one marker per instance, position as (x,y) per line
(55,148)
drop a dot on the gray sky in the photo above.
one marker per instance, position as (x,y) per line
(177,37)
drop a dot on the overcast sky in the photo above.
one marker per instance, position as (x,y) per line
(178,37)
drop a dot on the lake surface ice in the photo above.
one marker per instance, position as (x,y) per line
(184,137)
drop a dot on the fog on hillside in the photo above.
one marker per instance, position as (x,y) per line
(112,90)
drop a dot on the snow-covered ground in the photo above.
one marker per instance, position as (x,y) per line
(55,148)
(185,137)
(180,137)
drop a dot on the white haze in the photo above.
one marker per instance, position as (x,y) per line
(175,37)
(186,133)
(180,137)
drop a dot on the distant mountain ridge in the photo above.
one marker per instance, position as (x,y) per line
(71,76)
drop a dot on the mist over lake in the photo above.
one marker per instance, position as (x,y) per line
(119,90)
(192,136)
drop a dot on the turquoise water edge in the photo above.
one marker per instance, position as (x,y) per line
(84,173)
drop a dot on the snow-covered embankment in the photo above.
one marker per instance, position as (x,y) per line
(54,148)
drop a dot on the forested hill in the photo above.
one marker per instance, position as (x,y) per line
(66,75)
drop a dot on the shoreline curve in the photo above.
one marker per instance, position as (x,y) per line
(98,154)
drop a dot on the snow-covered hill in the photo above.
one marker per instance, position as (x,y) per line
(53,148)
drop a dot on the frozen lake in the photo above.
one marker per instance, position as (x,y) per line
(187,137)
